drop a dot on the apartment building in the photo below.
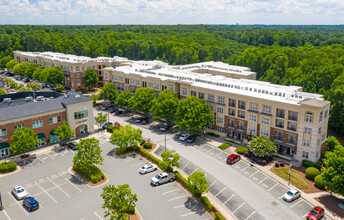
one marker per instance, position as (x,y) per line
(74,67)
(43,112)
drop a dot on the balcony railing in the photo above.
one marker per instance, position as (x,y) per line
(232,105)
(241,116)
(242,107)
(280,125)
(292,128)
(280,115)
(294,118)
(292,142)
(241,128)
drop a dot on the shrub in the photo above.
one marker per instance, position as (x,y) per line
(59,88)
(7,167)
(307,163)
(318,165)
(213,134)
(149,156)
(142,141)
(241,149)
(319,182)
(224,146)
(94,179)
(207,203)
(232,141)
(147,145)
(181,179)
(218,216)
(81,89)
(110,128)
(312,172)
(131,210)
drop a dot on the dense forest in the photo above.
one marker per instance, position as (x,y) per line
(307,56)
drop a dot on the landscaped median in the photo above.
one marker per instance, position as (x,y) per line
(296,179)
(7,167)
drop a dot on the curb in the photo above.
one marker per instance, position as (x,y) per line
(7,174)
(70,170)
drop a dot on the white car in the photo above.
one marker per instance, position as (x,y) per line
(163,177)
(147,168)
(292,195)
(183,137)
(19,192)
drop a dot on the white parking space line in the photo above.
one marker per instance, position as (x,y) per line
(161,186)
(305,215)
(244,168)
(253,173)
(295,203)
(98,216)
(262,180)
(189,203)
(220,191)
(177,198)
(239,207)
(71,183)
(250,215)
(17,203)
(141,162)
(185,165)
(190,213)
(40,159)
(201,147)
(61,154)
(218,154)
(281,196)
(6,215)
(229,199)
(50,156)
(58,187)
(169,191)
(210,150)
(45,192)
(212,184)
(194,170)
(272,187)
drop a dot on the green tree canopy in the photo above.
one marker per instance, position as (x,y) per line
(11,64)
(198,183)
(193,114)
(123,98)
(37,73)
(64,131)
(22,140)
(262,146)
(331,143)
(126,136)
(118,202)
(55,75)
(25,89)
(88,153)
(142,100)
(4,61)
(35,86)
(91,78)
(2,92)
(165,106)
(108,92)
(101,118)
(169,159)
(59,88)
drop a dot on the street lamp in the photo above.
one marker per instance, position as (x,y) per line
(289,173)
(108,111)
(165,138)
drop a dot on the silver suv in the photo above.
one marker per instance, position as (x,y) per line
(163,177)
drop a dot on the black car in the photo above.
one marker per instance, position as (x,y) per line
(191,139)
(26,80)
(145,121)
(112,110)
(72,145)
(118,112)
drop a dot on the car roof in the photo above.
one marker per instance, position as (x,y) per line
(294,190)
(31,199)
(17,186)
(232,156)
(318,208)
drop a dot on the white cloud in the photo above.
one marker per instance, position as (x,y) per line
(172,11)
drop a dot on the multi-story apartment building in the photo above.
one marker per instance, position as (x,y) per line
(73,66)
(296,121)
(43,112)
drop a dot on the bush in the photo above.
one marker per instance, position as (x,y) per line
(131,210)
(307,163)
(59,88)
(207,203)
(125,150)
(319,182)
(318,165)
(110,128)
(312,172)
(95,175)
(81,89)
(149,156)
(232,141)
(147,145)
(213,134)
(142,141)
(241,149)
(224,146)
(181,179)
(218,216)
(7,167)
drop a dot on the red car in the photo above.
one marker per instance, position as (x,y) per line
(233,158)
(316,213)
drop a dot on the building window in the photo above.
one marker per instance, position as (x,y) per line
(306,143)
(77,68)
(252,128)
(242,105)
(326,114)
(321,117)
(211,98)
(265,121)
(126,80)
(193,93)
(292,116)
(253,106)
(211,107)
(132,81)
(219,120)
(37,124)
(317,155)
(323,137)
(78,75)
(309,117)
(171,87)
(232,112)
(120,79)
(232,102)
(116,78)
(241,125)
(220,129)
(137,82)
(304,154)
(71,68)
(94,67)
(150,85)
(280,113)
(81,114)
(156,86)
(319,130)
(3,132)
(267,109)
(278,136)
(291,139)
(58,119)
(201,95)
(231,123)
(219,110)
(252,118)
(241,114)
(51,121)
(184,91)
(221,100)
(292,126)
(318,142)
(308,130)
(279,123)
(264,132)
(78,81)
(19,126)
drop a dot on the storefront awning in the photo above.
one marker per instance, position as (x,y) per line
(52,132)
(41,135)
(4,145)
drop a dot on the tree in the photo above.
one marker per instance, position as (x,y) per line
(55,75)
(35,86)
(165,106)
(88,153)
(108,92)
(59,88)
(91,78)
(333,174)
(169,159)
(37,73)
(193,114)
(262,146)
(11,64)
(198,183)
(25,89)
(123,98)
(126,136)
(95,97)
(22,140)
(64,131)
(142,100)
(118,202)
(331,143)
(4,61)
(2,92)
(101,118)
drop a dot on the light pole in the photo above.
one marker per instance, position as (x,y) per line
(289,173)
(165,139)
(108,111)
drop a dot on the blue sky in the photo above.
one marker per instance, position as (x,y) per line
(172,12)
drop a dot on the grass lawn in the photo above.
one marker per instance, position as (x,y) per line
(224,146)
(296,179)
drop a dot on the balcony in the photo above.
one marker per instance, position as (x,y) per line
(242,107)
(293,118)
(292,128)
(280,125)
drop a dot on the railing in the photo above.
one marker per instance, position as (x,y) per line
(278,139)
(280,125)
(241,128)
(294,118)
(231,125)
(232,113)
(232,105)
(291,142)
(280,115)
(241,116)
(242,107)
(292,128)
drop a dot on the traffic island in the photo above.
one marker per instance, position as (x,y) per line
(7,168)
(94,178)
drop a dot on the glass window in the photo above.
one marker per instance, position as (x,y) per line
(252,118)
(211,107)
(77,68)
(81,114)
(321,117)
(219,120)
(309,117)
(220,129)
(78,75)
(184,91)
(319,130)
(308,130)
(292,115)
(150,85)
(241,114)
(241,125)
(242,104)
(120,79)
(116,78)
(221,100)
(37,124)
(279,123)
(305,154)
(156,86)
(326,113)
(264,132)
(306,142)
(51,121)
(58,118)
(323,137)
(252,128)
(265,121)
(267,109)
(3,132)
(19,126)
(132,81)
(253,106)
(137,82)
(280,113)
(219,110)
(171,87)
(211,98)
(193,93)
(232,112)
(232,102)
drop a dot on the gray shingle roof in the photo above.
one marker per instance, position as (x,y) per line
(73,98)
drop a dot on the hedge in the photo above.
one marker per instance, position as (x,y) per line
(312,172)
(181,179)
(147,145)
(96,175)
(307,163)
(148,156)
(7,167)
(319,182)
(224,146)
(207,203)
(218,216)
(318,165)
(110,128)
(213,134)
(142,141)
(241,149)
(125,150)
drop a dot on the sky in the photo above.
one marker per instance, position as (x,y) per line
(73,12)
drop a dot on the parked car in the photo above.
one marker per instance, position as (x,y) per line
(191,138)
(291,195)
(140,119)
(162,178)
(106,124)
(112,110)
(72,145)
(18,78)
(30,203)
(233,158)
(316,213)
(165,127)
(147,168)
(118,112)
(26,80)
(145,121)
(19,192)
(183,137)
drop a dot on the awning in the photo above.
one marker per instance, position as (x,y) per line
(41,135)
(4,145)
(52,132)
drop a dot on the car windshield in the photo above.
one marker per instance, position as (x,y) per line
(314,213)
(290,193)
(19,190)
(158,176)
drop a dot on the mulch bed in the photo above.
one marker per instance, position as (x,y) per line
(152,149)
(331,203)
(88,180)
